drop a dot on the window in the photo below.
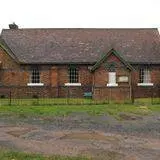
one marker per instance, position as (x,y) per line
(144,76)
(112,79)
(35,77)
(73,74)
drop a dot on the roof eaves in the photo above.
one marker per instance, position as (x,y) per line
(5,47)
(144,63)
(56,63)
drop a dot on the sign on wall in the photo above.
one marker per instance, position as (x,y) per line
(123,79)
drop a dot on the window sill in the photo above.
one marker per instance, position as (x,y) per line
(72,84)
(35,84)
(112,84)
(145,84)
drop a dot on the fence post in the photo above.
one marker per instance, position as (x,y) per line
(110,94)
(152,96)
(68,95)
(10,98)
(132,94)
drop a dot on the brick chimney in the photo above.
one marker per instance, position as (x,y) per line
(13,26)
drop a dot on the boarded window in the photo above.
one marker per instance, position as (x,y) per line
(112,77)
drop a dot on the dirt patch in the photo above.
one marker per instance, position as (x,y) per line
(127,116)
(99,154)
(90,136)
(19,132)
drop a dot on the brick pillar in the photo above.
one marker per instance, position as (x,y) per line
(54,77)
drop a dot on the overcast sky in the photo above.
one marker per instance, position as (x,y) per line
(80,13)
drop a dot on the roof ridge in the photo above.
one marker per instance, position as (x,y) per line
(81,29)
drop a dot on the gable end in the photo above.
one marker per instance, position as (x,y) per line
(105,56)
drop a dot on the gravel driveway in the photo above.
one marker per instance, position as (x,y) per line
(101,137)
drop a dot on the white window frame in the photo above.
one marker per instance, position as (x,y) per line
(112,79)
(35,73)
(145,77)
(35,84)
(73,75)
(72,84)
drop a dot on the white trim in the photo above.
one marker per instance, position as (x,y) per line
(72,84)
(112,84)
(145,84)
(35,84)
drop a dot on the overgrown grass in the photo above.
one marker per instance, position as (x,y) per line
(61,110)
(11,155)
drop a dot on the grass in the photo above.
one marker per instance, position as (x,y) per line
(141,107)
(49,101)
(61,110)
(148,100)
(11,155)
(69,101)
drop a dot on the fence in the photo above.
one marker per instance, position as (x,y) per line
(47,95)
(153,92)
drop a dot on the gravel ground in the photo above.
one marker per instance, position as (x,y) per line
(101,137)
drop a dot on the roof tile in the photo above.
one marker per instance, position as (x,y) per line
(82,45)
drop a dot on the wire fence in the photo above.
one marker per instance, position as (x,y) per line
(81,95)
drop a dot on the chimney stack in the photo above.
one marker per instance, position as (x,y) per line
(13,26)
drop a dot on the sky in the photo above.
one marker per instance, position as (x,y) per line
(80,13)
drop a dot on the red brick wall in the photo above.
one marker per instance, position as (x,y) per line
(120,92)
(7,61)
(85,78)
(45,76)
(155,75)
(85,75)
(13,74)
(10,71)
(101,74)
(146,91)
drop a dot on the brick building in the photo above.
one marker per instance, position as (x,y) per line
(107,63)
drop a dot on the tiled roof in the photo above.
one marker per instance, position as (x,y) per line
(82,45)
